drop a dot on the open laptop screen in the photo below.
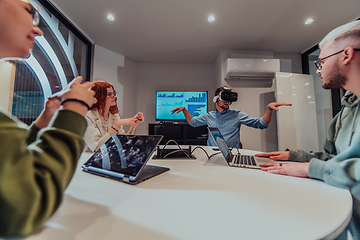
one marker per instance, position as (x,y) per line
(221,143)
(125,154)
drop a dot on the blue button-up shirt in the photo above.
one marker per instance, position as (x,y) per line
(229,123)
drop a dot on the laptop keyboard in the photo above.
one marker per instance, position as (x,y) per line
(244,160)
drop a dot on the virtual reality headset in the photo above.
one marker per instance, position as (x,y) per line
(227,96)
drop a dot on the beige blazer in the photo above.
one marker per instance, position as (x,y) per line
(96,132)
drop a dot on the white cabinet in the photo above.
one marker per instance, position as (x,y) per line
(296,125)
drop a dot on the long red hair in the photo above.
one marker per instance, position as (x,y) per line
(100,89)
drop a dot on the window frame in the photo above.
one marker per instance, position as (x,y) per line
(89,55)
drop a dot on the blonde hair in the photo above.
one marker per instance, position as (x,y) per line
(351,29)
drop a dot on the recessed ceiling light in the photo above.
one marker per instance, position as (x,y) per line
(110,17)
(211,19)
(309,21)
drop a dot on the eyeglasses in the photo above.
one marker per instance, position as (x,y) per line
(33,12)
(112,94)
(35,15)
(318,63)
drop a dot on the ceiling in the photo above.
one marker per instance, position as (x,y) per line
(178,30)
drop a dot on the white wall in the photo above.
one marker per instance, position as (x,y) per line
(127,77)
(136,84)
(106,64)
(170,76)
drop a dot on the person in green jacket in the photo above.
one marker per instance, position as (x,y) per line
(338,67)
(38,161)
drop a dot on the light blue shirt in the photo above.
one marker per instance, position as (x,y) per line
(229,123)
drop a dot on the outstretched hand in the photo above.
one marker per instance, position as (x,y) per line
(126,121)
(275,105)
(140,117)
(283,156)
(51,105)
(294,169)
(177,110)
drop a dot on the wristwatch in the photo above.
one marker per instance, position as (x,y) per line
(269,108)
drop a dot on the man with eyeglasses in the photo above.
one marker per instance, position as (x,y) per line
(339,67)
(37,161)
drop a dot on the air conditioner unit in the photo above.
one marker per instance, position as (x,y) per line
(251,69)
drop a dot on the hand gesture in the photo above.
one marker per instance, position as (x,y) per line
(126,121)
(274,105)
(51,105)
(289,168)
(284,155)
(140,117)
(177,110)
(77,90)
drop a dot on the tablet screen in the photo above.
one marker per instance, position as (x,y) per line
(125,154)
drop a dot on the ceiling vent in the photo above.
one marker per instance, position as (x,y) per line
(251,69)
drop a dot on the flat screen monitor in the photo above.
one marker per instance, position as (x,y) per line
(196,102)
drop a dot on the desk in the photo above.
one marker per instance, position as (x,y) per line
(199,199)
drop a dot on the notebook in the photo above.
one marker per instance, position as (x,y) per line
(237,160)
(124,158)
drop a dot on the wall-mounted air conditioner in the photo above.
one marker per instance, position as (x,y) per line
(251,69)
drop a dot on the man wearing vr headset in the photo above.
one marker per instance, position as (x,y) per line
(229,121)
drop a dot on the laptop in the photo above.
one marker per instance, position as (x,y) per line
(124,158)
(237,160)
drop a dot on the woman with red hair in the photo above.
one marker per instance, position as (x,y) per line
(103,118)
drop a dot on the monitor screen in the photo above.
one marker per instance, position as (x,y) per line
(196,102)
